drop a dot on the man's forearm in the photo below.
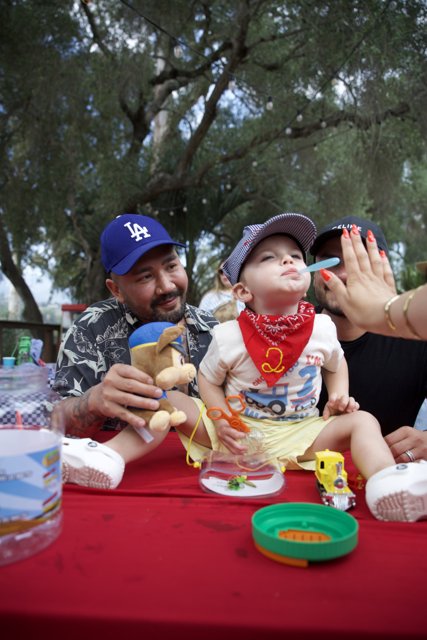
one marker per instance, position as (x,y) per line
(76,417)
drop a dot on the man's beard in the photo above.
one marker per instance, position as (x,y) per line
(330,307)
(173,316)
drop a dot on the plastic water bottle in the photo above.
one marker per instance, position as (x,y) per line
(24,350)
(30,462)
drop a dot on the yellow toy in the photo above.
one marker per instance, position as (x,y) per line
(156,348)
(332,480)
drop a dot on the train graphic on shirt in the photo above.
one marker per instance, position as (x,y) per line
(277,402)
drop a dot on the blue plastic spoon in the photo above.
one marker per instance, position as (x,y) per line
(323,264)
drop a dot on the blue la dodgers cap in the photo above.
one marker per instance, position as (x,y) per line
(127,238)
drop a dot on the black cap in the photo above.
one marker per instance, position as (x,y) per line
(334,229)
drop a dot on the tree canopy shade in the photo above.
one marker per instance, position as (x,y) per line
(208,114)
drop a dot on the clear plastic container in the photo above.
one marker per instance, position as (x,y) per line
(240,476)
(30,462)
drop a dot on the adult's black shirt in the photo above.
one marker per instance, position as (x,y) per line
(388,378)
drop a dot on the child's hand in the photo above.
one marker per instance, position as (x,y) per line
(231,438)
(337,405)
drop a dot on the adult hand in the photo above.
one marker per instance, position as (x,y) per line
(123,386)
(370,282)
(407,439)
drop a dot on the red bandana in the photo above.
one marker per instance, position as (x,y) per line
(276,342)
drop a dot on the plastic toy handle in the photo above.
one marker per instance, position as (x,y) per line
(215,413)
(145,434)
(323,264)
(238,424)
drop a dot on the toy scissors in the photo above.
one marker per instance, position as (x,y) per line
(215,413)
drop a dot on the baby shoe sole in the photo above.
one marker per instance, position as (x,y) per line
(86,476)
(402,506)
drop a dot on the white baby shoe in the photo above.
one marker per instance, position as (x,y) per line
(399,492)
(91,464)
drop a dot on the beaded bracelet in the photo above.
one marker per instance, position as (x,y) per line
(387,312)
(406,311)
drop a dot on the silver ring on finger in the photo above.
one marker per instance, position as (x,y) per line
(410,455)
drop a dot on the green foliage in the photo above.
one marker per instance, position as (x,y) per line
(99,116)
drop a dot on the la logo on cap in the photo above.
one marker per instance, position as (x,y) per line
(136,231)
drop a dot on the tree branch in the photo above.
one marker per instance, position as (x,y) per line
(31,311)
(239,53)
(94,29)
(166,183)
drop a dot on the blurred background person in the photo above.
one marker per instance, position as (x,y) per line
(220,300)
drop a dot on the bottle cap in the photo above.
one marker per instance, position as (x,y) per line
(298,532)
(8,362)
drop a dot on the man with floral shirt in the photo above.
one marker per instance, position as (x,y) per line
(148,283)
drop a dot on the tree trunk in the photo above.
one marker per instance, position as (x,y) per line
(31,311)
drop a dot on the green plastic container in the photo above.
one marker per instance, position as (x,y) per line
(299,532)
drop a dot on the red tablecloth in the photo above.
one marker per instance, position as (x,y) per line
(159,556)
